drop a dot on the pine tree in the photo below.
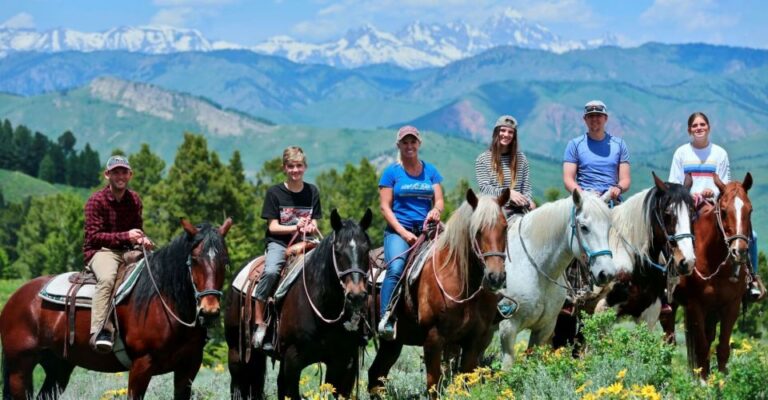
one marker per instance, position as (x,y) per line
(22,142)
(67,142)
(8,157)
(147,170)
(47,170)
(89,167)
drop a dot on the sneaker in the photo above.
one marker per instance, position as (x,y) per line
(258,336)
(666,308)
(506,308)
(103,343)
(386,327)
(754,291)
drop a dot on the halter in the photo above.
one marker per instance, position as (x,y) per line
(198,294)
(728,239)
(339,274)
(671,238)
(575,231)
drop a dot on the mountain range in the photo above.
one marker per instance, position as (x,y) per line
(417,45)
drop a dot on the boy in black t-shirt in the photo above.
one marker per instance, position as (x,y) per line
(290,208)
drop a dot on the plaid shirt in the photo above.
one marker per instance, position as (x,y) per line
(107,221)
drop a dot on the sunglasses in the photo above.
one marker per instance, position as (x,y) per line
(597,108)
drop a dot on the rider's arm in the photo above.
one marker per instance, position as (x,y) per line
(276,228)
(625,179)
(385,204)
(569,177)
(438,206)
(486,179)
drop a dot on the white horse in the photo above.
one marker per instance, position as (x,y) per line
(540,246)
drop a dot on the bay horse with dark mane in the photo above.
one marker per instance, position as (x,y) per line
(319,319)
(713,293)
(158,322)
(453,301)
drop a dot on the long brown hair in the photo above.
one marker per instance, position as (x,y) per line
(496,157)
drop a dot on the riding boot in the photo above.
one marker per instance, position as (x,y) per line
(757,289)
(261,325)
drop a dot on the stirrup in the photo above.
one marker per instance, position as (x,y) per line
(257,341)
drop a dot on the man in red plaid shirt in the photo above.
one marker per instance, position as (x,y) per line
(113,225)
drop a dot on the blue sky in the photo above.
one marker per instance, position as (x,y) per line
(731,22)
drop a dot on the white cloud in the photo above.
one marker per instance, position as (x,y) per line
(19,21)
(692,15)
(178,17)
(332,9)
(316,30)
(190,3)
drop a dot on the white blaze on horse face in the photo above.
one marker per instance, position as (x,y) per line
(684,227)
(353,247)
(738,204)
(212,254)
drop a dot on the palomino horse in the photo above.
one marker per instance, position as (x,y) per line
(714,291)
(185,285)
(540,246)
(653,223)
(453,302)
(319,318)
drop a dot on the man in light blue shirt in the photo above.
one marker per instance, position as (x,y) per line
(596,161)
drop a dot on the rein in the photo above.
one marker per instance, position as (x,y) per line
(198,294)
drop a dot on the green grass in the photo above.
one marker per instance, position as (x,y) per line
(16,186)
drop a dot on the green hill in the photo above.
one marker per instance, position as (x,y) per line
(16,186)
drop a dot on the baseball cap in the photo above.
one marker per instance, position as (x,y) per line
(506,120)
(408,130)
(118,162)
(595,107)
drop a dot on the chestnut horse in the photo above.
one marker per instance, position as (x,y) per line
(185,285)
(713,293)
(453,301)
(319,318)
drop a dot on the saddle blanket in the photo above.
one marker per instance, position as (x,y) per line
(57,289)
(291,273)
(419,260)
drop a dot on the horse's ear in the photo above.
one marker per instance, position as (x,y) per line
(365,222)
(335,220)
(688,181)
(577,198)
(188,227)
(659,183)
(504,198)
(224,228)
(720,185)
(747,182)
(471,198)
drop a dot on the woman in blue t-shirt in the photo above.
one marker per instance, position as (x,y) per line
(409,195)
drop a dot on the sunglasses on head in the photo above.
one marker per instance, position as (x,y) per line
(597,108)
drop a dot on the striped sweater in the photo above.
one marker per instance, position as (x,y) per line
(488,181)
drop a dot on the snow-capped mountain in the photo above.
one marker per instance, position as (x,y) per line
(417,45)
(421,45)
(143,39)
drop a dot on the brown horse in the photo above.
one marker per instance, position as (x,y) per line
(319,318)
(185,285)
(713,293)
(453,302)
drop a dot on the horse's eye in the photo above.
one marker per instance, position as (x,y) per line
(584,229)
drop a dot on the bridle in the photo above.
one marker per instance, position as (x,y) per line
(732,238)
(671,240)
(585,250)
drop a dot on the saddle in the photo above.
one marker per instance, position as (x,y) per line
(76,289)
(245,284)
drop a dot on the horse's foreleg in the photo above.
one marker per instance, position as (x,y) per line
(696,331)
(183,377)
(342,374)
(388,353)
(668,325)
(290,372)
(433,356)
(139,377)
(247,379)
(729,316)
(470,354)
(508,335)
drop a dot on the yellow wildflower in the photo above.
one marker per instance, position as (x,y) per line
(506,394)
(327,388)
(218,368)
(589,396)
(621,374)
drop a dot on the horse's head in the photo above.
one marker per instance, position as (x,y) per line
(670,209)
(735,211)
(488,229)
(350,256)
(590,224)
(207,264)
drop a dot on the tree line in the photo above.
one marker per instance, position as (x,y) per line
(52,161)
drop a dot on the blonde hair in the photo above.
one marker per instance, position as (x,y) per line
(294,154)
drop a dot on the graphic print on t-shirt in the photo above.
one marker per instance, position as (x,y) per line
(416,189)
(291,215)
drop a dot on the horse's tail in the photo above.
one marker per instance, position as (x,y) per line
(690,342)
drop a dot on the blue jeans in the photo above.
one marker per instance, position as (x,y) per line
(394,245)
(273,265)
(753,251)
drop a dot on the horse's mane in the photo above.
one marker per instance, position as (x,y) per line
(631,221)
(462,227)
(171,273)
